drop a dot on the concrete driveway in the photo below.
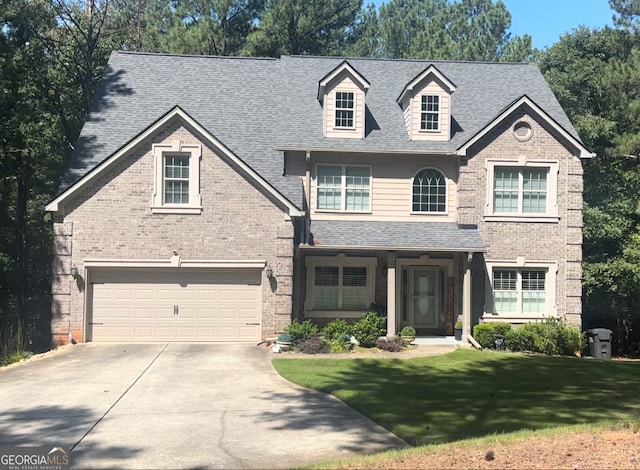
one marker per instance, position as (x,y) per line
(177,406)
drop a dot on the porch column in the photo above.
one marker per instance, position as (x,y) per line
(391,294)
(466,297)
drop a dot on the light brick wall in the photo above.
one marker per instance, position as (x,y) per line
(112,219)
(562,241)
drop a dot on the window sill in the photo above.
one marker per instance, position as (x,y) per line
(176,210)
(331,211)
(516,317)
(439,214)
(522,218)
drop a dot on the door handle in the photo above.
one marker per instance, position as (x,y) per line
(175,309)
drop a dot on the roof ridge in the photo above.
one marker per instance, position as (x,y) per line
(384,59)
(194,56)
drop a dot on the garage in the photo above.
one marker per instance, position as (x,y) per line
(139,305)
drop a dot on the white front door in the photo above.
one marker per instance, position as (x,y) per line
(423,295)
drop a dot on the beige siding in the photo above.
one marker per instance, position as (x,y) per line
(559,241)
(112,219)
(344,83)
(393,175)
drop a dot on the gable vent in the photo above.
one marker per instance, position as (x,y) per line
(522,131)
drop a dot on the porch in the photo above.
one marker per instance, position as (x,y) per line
(422,280)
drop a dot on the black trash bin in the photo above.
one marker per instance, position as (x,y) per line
(600,342)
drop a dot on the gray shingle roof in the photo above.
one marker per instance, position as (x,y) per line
(257,105)
(426,236)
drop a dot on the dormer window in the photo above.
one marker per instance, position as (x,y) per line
(342,94)
(345,105)
(426,105)
(430,113)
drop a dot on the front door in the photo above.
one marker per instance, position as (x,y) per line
(424,302)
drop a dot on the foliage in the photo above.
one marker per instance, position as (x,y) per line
(552,337)
(408,331)
(596,76)
(369,328)
(475,393)
(440,29)
(484,333)
(340,345)
(336,329)
(313,345)
(390,343)
(15,356)
(300,331)
(458,325)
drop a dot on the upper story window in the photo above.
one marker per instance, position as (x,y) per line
(519,291)
(177,178)
(345,106)
(343,188)
(430,113)
(429,191)
(522,190)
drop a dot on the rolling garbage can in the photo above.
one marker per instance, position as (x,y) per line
(600,342)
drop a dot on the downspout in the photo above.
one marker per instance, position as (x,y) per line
(307,197)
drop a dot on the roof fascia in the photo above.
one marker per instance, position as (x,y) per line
(431,70)
(294,148)
(54,205)
(525,100)
(393,248)
(344,66)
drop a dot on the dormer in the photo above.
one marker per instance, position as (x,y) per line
(342,95)
(426,104)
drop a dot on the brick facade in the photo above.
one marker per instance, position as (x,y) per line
(559,241)
(112,219)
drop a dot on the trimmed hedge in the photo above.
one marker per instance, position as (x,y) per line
(552,337)
(484,332)
(300,331)
(369,328)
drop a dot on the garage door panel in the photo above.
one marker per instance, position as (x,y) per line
(210,307)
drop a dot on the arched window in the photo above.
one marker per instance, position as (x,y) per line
(429,191)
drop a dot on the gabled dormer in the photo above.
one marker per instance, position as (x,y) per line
(342,95)
(426,104)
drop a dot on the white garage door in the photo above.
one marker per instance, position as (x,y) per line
(176,306)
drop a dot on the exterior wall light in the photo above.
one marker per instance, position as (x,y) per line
(269,272)
(74,273)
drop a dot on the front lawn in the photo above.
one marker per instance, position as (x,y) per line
(470,393)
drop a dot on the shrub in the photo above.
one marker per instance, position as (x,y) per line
(340,345)
(336,329)
(408,331)
(458,325)
(368,329)
(551,337)
(484,333)
(391,344)
(313,345)
(300,331)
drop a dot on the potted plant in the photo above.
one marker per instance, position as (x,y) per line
(408,334)
(457,330)
(284,342)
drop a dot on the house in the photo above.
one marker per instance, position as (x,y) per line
(217,199)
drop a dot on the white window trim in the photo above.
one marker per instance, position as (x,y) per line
(335,110)
(446,194)
(194,151)
(431,131)
(342,261)
(522,264)
(343,189)
(551,215)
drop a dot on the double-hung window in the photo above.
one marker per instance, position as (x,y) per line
(340,288)
(176,188)
(522,190)
(345,106)
(344,188)
(430,113)
(519,291)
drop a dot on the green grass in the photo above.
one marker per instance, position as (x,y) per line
(468,393)
(15,356)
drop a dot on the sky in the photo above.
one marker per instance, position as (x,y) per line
(547,20)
